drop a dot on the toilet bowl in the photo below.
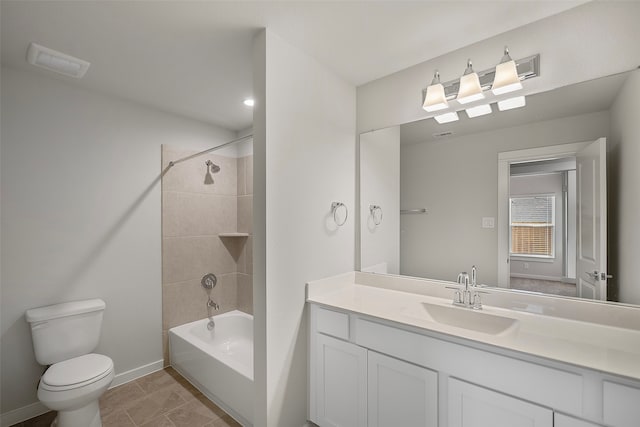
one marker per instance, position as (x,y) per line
(64,337)
(73,387)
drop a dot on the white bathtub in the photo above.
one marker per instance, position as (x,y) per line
(218,362)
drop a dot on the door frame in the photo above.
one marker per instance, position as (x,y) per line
(505,159)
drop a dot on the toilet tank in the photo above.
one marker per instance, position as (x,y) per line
(62,331)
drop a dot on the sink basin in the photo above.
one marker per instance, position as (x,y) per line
(465,318)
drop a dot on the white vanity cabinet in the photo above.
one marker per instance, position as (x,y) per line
(340,377)
(473,406)
(369,371)
(400,393)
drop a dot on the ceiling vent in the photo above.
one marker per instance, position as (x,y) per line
(442,134)
(59,62)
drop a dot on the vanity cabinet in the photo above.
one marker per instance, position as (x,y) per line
(341,383)
(368,371)
(400,394)
(473,406)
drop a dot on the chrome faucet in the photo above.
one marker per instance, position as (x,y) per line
(467,296)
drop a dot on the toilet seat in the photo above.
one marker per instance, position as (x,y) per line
(77,372)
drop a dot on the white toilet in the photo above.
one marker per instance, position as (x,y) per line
(64,335)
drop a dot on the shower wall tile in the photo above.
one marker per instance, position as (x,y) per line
(185,302)
(245,293)
(245,261)
(192,175)
(245,214)
(186,258)
(242,184)
(196,214)
(248,167)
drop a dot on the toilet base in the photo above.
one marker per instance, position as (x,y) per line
(87,416)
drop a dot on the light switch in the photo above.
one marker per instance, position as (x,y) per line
(488,222)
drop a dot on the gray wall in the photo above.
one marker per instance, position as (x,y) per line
(304,157)
(380,185)
(81,217)
(456,179)
(624,192)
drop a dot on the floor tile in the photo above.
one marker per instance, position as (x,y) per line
(117,418)
(161,421)
(155,404)
(196,413)
(121,397)
(225,421)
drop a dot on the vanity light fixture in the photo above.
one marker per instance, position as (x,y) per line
(478,110)
(511,103)
(506,78)
(470,89)
(449,117)
(435,98)
(249,102)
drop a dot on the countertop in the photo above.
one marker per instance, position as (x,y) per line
(610,346)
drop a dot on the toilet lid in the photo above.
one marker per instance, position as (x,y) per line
(77,371)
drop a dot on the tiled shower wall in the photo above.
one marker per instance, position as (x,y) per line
(197,208)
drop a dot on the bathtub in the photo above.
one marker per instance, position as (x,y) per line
(219,363)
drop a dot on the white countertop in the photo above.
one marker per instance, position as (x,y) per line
(612,348)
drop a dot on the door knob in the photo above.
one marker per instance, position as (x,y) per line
(594,275)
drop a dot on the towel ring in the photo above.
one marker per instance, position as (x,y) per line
(376,214)
(335,206)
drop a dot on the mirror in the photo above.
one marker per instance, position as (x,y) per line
(435,190)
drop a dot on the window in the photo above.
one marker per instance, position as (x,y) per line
(532,220)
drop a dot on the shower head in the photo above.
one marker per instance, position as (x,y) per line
(214,168)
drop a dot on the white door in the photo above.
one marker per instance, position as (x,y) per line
(401,394)
(473,406)
(341,387)
(591,264)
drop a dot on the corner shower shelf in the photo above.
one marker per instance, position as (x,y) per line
(234,234)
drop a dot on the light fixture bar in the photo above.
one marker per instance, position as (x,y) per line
(528,68)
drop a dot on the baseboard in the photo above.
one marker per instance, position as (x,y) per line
(537,277)
(133,374)
(21,414)
(33,410)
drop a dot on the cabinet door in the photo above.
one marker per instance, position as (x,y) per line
(400,394)
(621,405)
(560,420)
(473,406)
(341,383)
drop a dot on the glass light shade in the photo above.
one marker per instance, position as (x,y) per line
(511,103)
(435,99)
(478,110)
(447,117)
(470,89)
(506,78)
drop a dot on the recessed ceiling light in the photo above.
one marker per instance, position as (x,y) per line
(249,102)
(59,62)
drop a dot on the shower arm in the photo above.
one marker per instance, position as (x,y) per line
(208,150)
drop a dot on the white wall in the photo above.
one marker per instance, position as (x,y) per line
(623,192)
(81,217)
(304,157)
(525,185)
(380,185)
(589,41)
(456,180)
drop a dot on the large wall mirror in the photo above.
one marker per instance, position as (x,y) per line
(512,193)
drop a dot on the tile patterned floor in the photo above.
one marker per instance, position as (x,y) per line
(160,399)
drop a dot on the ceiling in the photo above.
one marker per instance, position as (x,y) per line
(581,98)
(194,58)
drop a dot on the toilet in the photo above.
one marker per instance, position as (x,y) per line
(64,336)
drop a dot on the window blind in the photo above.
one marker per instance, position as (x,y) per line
(532,225)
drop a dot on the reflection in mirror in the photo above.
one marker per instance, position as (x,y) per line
(447,180)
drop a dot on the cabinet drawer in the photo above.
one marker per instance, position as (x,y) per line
(551,387)
(474,406)
(561,420)
(621,405)
(332,323)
